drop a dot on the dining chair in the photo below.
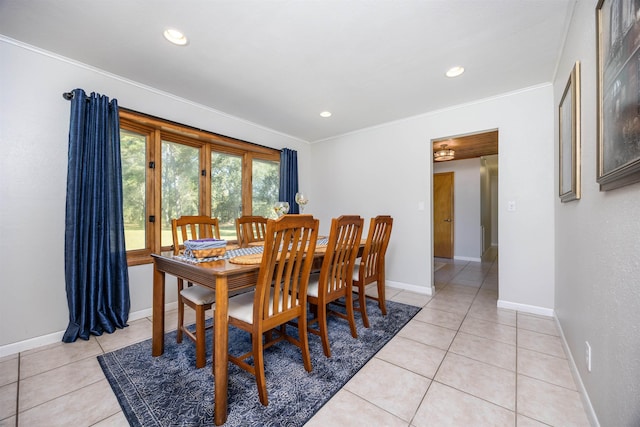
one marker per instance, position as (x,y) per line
(280,295)
(335,278)
(199,298)
(370,267)
(250,229)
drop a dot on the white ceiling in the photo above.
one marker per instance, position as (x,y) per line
(280,63)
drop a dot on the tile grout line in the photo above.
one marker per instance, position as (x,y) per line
(515,412)
(440,364)
(445,355)
(457,330)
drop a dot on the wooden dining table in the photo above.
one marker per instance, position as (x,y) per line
(224,277)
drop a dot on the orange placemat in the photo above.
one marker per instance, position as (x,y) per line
(247,259)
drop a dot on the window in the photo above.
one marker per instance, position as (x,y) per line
(226,192)
(180,177)
(133,148)
(170,170)
(265,187)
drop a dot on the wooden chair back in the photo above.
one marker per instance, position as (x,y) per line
(336,277)
(336,272)
(250,228)
(372,261)
(280,295)
(281,290)
(198,298)
(371,266)
(193,227)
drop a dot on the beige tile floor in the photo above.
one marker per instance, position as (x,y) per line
(460,361)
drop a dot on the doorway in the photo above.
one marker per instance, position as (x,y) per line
(443,185)
(469,229)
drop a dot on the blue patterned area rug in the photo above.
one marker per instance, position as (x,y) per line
(169,391)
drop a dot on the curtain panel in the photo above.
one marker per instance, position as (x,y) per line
(96,273)
(289,178)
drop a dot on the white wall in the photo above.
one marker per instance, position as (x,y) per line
(467,232)
(34,128)
(597,244)
(387,169)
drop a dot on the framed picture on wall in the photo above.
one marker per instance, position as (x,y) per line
(618,42)
(569,121)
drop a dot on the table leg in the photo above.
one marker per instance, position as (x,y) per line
(157,346)
(221,331)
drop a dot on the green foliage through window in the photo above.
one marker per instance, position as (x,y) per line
(180,184)
(133,157)
(226,187)
(166,174)
(266,184)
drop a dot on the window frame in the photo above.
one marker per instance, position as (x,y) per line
(156,130)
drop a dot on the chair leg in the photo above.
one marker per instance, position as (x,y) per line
(268,336)
(258,363)
(322,325)
(180,312)
(304,341)
(350,316)
(213,347)
(201,358)
(313,309)
(362,306)
(381,298)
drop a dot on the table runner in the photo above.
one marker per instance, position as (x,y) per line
(237,252)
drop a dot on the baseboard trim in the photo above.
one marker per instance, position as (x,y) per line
(412,288)
(467,258)
(525,308)
(56,337)
(584,396)
(17,347)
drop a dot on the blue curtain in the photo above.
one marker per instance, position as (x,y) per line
(289,178)
(96,274)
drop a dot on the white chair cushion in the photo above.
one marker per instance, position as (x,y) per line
(356,271)
(198,295)
(312,288)
(241,306)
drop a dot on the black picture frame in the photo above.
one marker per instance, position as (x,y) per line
(618,61)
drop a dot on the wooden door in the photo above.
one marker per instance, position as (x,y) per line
(443,215)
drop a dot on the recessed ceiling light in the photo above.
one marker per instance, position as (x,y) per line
(325,114)
(455,71)
(175,36)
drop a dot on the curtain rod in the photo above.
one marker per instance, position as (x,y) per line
(69,96)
